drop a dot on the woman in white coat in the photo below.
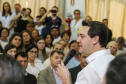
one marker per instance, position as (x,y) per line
(75,25)
(34,64)
(6,17)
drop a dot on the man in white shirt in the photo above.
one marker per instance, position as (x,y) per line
(92,39)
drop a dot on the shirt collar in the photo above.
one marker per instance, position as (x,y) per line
(97,54)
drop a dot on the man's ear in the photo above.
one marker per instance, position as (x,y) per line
(95,40)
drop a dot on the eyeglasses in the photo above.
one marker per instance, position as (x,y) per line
(33,52)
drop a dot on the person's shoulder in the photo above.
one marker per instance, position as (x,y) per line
(74,68)
(37,60)
(45,71)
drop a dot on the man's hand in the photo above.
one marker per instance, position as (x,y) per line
(63,73)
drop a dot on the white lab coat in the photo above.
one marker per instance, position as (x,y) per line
(6,22)
(74,29)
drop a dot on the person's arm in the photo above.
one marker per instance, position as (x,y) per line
(17,17)
(63,73)
(12,24)
(29,19)
(63,20)
(43,17)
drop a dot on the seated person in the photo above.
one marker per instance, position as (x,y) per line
(22,57)
(75,61)
(116,73)
(48,75)
(74,71)
(112,45)
(34,64)
(55,34)
(39,25)
(57,46)
(121,41)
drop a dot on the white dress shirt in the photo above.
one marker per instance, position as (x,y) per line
(97,66)
(58,80)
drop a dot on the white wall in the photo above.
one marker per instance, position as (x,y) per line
(79,4)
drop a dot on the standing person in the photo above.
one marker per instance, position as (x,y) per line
(75,24)
(4,33)
(42,11)
(42,55)
(23,20)
(22,57)
(92,40)
(109,38)
(6,17)
(55,19)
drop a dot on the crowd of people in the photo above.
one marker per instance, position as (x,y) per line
(40,47)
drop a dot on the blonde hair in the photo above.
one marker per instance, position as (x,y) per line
(60,44)
(113,42)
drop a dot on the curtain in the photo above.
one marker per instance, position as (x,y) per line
(114,10)
(36,4)
(12,3)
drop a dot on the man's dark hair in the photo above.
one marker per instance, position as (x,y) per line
(38,16)
(55,51)
(11,71)
(121,40)
(116,73)
(73,41)
(18,5)
(97,29)
(22,54)
(64,33)
(77,10)
(55,7)
(104,20)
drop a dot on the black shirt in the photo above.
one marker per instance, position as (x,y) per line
(49,22)
(74,71)
(30,79)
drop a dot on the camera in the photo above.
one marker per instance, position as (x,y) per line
(53,11)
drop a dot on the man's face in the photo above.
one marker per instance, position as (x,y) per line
(58,47)
(85,41)
(54,9)
(120,46)
(83,61)
(54,32)
(106,23)
(75,46)
(56,59)
(17,8)
(23,61)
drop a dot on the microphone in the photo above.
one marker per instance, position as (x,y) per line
(69,56)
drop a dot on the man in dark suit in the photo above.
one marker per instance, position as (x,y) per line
(48,75)
(74,71)
(23,59)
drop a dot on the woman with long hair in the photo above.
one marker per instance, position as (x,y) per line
(11,50)
(27,39)
(34,64)
(16,39)
(42,55)
(6,17)
(48,40)
(34,34)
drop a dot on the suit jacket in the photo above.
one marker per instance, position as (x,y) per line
(46,76)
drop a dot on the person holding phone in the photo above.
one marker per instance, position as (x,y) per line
(56,18)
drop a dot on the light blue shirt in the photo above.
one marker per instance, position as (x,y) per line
(73,63)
